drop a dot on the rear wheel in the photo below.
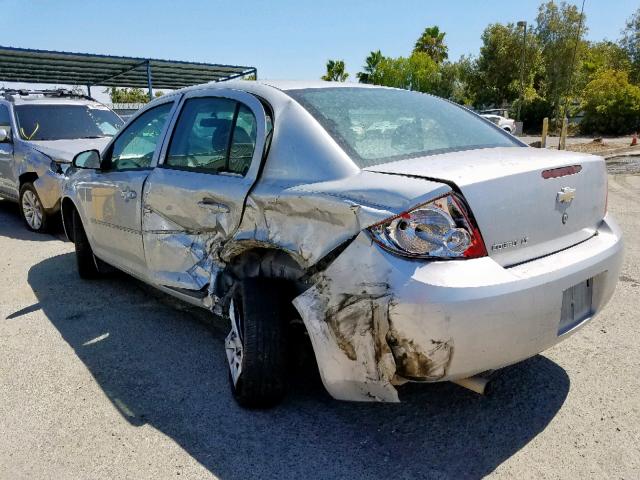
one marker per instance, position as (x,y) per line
(85,259)
(256,345)
(31,209)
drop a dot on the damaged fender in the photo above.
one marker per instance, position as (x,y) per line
(363,341)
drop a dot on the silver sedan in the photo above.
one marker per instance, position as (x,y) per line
(412,239)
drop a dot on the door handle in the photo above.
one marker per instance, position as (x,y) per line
(213,206)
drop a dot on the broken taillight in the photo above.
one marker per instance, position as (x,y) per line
(439,229)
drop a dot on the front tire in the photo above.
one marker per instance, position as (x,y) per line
(31,209)
(86,261)
(256,345)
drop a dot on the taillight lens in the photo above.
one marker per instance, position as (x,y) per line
(439,229)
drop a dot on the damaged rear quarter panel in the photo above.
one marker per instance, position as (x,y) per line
(362,339)
(309,220)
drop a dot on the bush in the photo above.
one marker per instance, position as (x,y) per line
(533,112)
(611,104)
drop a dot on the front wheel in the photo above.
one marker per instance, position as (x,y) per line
(256,345)
(31,209)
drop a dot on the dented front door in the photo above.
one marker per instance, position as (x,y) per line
(193,200)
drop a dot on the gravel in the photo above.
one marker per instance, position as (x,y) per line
(110,379)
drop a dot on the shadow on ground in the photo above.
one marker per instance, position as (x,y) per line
(12,225)
(161,365)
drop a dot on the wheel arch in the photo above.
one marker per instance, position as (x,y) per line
(67,207)
(261,262)
(27,177)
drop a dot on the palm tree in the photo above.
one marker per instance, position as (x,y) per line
(335,71)
(432,43)
(371,63)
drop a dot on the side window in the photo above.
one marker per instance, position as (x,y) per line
(4,117)
(134,147)
(243,142)
(213,135)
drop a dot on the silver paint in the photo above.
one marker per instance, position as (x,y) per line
(34,157)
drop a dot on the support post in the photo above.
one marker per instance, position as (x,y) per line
(545,131)
(524,49)
(149,83)
(563,134)
(88,90)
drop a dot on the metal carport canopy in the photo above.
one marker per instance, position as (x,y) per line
(44,66)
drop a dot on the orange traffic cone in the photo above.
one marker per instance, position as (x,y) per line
(634,140)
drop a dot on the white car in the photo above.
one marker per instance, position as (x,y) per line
(507,124)
(436,250)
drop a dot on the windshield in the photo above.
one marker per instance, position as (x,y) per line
(380,125)
(58,122)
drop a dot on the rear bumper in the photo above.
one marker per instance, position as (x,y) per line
(498,316)
(376,319)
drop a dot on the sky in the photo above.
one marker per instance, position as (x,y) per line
(284,39)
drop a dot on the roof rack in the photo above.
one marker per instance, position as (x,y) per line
(9,93)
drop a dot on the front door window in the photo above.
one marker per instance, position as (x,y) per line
(134,148)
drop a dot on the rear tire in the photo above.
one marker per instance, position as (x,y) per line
(256,346)
(31,209)
(85,259)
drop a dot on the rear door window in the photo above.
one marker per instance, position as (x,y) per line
(213,135)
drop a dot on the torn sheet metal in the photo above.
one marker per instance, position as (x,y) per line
(181,258)
(348,333)
(186,245)
(363,345)
(310,221)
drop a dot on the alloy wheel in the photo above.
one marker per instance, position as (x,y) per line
(32,209)
(233,343)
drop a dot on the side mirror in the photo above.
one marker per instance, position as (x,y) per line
(89,159)
(4,136)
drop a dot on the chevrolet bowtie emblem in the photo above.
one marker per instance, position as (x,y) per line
(566,194)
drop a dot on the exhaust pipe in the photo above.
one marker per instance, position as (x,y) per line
(480,383)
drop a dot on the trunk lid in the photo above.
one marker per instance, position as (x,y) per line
(519,212)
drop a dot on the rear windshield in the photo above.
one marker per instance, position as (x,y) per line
(61,122)
(380,125)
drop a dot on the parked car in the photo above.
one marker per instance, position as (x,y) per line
(40,132)
(507,124)
(437,251)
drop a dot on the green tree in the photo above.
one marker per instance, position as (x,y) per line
(416,72)
(497,77)
(611,104)
(560,29)
(631,44)
(451,81)
(600,56)
(461,86)
(127,95)
(370,66)
(432,43)
(335,71)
